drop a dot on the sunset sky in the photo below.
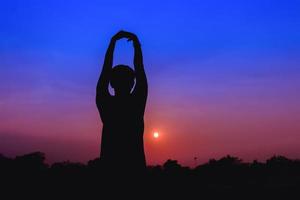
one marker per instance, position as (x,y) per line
(224,76)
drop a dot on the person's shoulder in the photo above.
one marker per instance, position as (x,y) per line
(104,99)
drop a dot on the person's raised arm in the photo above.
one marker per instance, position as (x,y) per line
(103,82)
(141,86)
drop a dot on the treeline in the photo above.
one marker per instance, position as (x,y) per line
(228,175)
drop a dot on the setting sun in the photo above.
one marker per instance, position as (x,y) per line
(155,134)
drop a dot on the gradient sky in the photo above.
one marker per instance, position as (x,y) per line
(224,76)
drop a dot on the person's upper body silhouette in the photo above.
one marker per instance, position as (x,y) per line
(122,114)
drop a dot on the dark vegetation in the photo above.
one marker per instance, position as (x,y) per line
(226,176)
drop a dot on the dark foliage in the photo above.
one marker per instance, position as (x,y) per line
(228,176)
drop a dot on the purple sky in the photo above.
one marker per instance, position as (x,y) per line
(224,77)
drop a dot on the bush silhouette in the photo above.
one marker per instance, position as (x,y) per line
(227,175)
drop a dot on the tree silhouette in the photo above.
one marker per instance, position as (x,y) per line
(216,178)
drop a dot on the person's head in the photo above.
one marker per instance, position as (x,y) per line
(122,79)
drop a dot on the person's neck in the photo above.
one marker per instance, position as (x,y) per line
(122,95)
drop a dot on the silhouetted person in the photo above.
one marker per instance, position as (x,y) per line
(123,114)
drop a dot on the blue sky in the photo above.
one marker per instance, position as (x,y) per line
(218,62)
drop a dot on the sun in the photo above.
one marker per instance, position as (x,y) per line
(155,135)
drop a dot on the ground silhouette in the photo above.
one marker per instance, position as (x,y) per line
(122,115)
(226,177)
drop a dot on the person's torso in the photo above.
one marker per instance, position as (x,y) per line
(123,125)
